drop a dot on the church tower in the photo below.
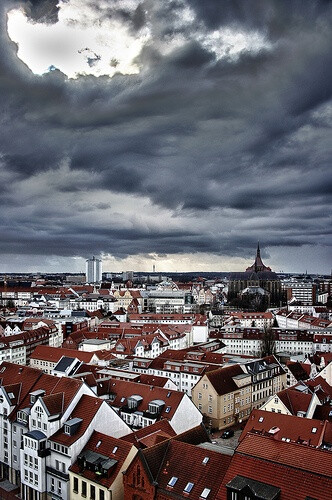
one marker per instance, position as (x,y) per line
(258,265)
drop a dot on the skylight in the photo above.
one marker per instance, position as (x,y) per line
(260,419)
(189,487)
(314,430)
(205,493)
(172,481)
(205,460)
(98,444)
(115,449)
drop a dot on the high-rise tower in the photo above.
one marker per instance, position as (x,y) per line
(93,270)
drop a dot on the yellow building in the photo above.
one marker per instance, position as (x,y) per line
(97,472)
(223,396)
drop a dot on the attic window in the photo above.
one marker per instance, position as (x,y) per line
(172,481)
(168,409)
(98,444)
(205,493)
(260,419)
(11,395)
(2,369)
(115,449)
(168,394)
(314,430)
(122,400)
(188,488)
(205,460)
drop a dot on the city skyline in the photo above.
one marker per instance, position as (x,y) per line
(173,134)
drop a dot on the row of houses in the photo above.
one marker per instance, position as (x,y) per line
(46,421)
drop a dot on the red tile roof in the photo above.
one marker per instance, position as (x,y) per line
(85,409)
(107,446)
(202,467)
(295,400)
(151,435)
(280,427)
(222,379)
(54,354)
(299,471)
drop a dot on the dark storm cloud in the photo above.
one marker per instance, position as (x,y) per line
(238,149)
(45,11)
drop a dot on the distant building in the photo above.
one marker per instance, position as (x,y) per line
(257,275)
(93,270)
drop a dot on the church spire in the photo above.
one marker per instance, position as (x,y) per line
(258,265)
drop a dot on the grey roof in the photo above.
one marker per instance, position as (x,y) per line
(98,459)
(36,435)
(74,421)
(64,363)
(260,490)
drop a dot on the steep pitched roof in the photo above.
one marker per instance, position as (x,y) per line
(295,401)
(285,427)
(222,378)
(109,447)
(151,435)
(202,467)
(299,471)
(85,409)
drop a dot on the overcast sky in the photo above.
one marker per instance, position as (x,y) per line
(173,133)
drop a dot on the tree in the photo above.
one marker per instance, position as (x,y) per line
(268,343)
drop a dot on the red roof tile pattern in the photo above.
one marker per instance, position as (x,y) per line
(294,400)
(151,435)
(54,354)
(85,409)
(280,427)
(299,471)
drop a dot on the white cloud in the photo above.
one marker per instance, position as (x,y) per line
(82,42)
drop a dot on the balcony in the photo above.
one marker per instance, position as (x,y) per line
(57,473)
(44,453)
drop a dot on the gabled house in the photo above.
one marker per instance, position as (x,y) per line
(90,414)
(141,405)
(98,471)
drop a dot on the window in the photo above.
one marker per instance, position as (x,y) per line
(172,481)
(199,395)
(205,460)
(210,397)
(314,430)
(83,489)
(210,409)
(92,492)
(75,485)
(205,493)
(101,495)
(189,487)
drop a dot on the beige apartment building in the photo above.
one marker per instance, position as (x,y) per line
(227,395)
(223,396)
